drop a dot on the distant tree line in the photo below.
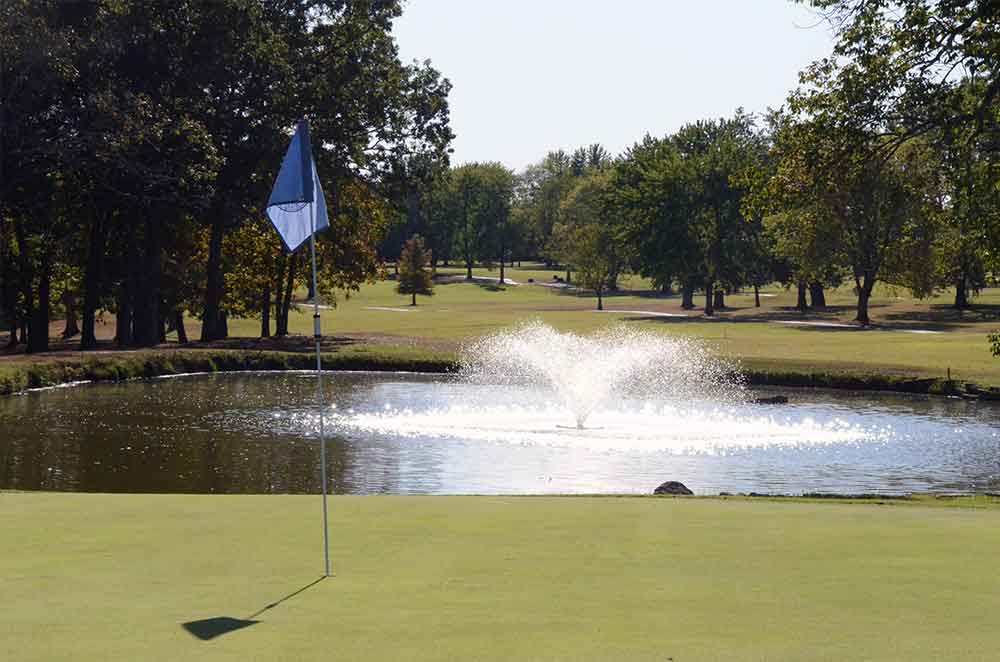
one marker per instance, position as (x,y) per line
(139,142)
(883,166)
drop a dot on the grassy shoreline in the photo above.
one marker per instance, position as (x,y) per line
(916,346)
(115,367)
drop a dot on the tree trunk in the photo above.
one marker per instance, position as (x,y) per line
(146,325)
(466,236)
(182,336)
(123,317)
(961,292)
(9,303)
(12,342)
(568,281)
(613,281)
(27,278)
(864,296)
(503,245)
(92,281)
(800,303)
(687,295)
(12,327)
(38,322)
(279,290)
(211,326)
(816,295)
(600,300)
(719,300)
(69,304)
(756,295)
(265,310)
(286,303)
(413,300)
(709,290)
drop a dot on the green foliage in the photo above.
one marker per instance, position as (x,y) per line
(141,139)
(480,196)
(837,204)
(681,197)
(414,275)
(586,235)
(909,94)
(994,339)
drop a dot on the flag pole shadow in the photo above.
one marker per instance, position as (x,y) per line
(207,629)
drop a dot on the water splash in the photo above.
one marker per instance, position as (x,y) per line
(586,371)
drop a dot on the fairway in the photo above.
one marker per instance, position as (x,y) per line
(913,337)
(103,577)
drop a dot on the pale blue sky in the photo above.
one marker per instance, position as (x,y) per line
(530,76)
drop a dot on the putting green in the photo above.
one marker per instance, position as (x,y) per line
(109,577)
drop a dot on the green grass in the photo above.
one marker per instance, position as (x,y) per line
(383,324)
(100,577)
(461,310)
(16,377)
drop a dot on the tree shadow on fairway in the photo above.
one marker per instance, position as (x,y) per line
(207,629)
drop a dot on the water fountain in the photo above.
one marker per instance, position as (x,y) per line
(586,371)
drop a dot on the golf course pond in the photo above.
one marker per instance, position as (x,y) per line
(403,433)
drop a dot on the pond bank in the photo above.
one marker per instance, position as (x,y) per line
(16,377)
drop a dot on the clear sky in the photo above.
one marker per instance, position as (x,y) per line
(530,76)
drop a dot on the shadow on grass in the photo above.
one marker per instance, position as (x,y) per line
(207,629)
(584,293)
(696,317)
(489,284)
(291,343)
(948,314)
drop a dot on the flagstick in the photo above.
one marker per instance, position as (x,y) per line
(319,383)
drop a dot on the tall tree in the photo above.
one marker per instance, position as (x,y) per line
(481,197)
(911,72)
(655,200)
(587,234)
(681,203)
(872,214)
(415,276)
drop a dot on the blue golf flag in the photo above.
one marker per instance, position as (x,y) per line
(297,200)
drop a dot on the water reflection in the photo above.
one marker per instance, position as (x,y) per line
(255,433)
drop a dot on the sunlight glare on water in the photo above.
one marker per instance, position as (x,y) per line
(688,430)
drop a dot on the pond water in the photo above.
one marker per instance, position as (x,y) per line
(398,433)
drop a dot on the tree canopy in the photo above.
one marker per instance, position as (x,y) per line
(140,141)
